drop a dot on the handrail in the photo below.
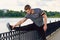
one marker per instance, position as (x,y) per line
(16,35)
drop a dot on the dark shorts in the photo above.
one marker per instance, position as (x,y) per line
(35,32)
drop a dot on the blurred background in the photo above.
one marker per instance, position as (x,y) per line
(11,11)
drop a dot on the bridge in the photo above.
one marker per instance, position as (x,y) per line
(52,33)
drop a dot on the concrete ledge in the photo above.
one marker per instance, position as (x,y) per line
(49,37)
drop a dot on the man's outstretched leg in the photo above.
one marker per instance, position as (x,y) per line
(16,28)
(22,28)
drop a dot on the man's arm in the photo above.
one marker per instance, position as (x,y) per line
(45,21)
(20,22)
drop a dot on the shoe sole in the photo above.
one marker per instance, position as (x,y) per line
(9,26)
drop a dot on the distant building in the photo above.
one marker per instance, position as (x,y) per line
(5,10)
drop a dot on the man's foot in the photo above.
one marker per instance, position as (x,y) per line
(9,26)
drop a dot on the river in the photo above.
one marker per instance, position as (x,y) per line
(12,21)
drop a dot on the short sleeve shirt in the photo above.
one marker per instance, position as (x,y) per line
(36,17)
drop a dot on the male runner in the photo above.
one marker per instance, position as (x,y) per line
(37,16)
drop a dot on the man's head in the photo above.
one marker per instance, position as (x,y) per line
(27,9)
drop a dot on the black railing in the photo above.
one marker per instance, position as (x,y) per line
(12,35)
(52,27)
(22,35)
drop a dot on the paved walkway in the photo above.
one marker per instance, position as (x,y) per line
(55,36)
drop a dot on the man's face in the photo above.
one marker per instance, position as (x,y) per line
(28,11)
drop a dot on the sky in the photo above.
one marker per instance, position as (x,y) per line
(17,5)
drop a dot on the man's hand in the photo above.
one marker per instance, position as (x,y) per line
(45,28)
(13,26)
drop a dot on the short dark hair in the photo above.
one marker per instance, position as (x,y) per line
(27,7)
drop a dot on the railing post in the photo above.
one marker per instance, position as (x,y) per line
(50,21)
(55,20)
(3,36)
(6,35)
(0,36)
(19,33)
(11,35)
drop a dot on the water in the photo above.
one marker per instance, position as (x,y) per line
(12,21)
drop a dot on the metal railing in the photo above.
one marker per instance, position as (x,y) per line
(52,27)
(17,35)
(12,35)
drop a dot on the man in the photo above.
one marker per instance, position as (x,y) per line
(39,19)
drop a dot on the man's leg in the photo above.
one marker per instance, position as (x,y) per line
(41,33)
(25,28)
